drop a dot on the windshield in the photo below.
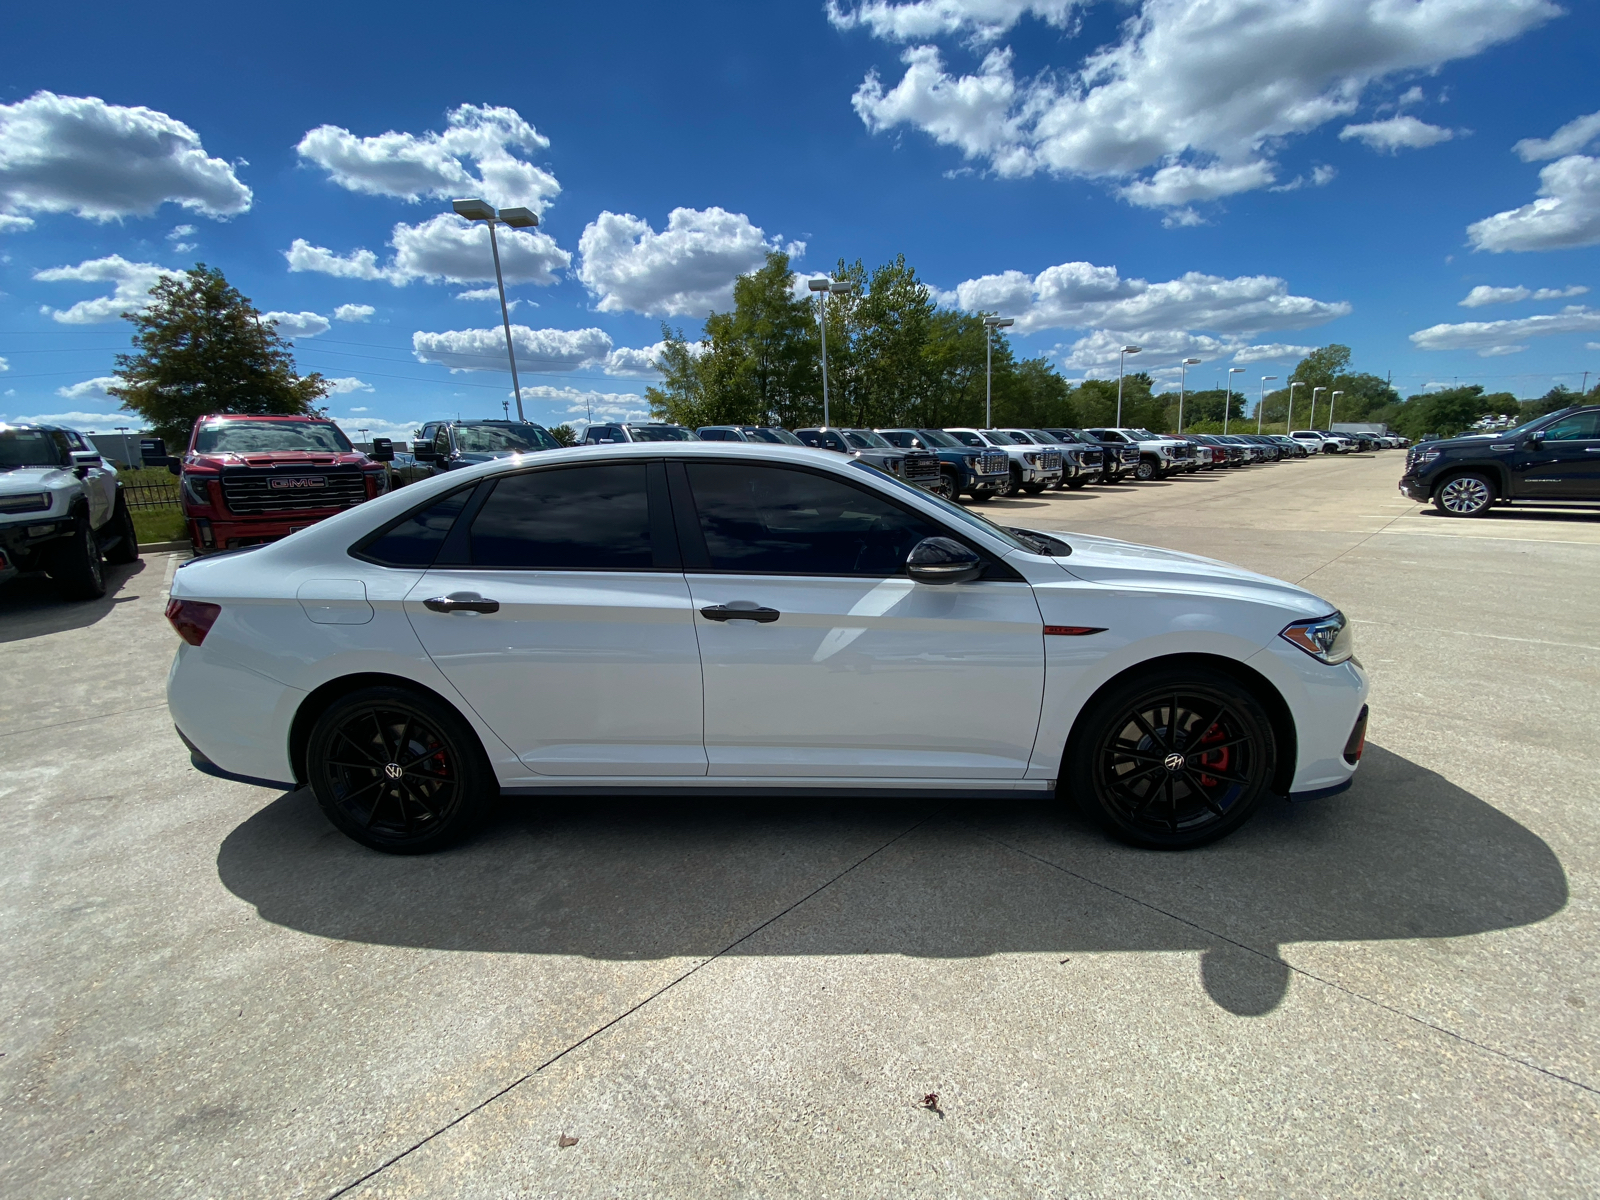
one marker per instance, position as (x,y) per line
(28,448)
(267,437)
(1041,438)
(1144,433)
(661,433)
(1000,439)
(938,437)
(967,438)
(954,511)
(864,439)
(492,439)
(778,437)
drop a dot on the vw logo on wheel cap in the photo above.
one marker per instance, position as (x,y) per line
(1174,762)
(393,770)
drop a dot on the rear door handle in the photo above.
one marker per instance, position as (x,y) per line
(1591,449)
(461,602)
(740,612)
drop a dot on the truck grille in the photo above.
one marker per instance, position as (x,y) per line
(993,464)
(922,471)
(1183,450)
(1130,454)
(273,492)
(1091,458)
(1050,460)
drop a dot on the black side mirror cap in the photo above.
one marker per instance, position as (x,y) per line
(382,450)
(423,452)
(175,466)
(943,560)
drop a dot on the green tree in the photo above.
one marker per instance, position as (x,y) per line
(565,435)
(201,347)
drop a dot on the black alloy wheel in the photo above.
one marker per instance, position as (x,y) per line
(949,486)
(126,549)
(1173,761)
(398,771)
(75,563)
(1466,495)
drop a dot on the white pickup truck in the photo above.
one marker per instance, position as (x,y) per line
(61,510)
(1033,468)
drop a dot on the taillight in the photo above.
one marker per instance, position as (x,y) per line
(193,619)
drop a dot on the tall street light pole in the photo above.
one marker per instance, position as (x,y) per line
(1288,424)
(1182,369)
(990,324)
(1333,398)
(823,286)
(1122,358)
(1227,402)
(1262,403)
(1313,421)
(516,218)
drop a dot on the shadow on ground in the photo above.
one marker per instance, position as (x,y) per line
(1404,854)
(31,605)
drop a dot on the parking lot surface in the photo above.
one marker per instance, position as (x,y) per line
(207,991)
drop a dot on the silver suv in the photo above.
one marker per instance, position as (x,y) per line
(61,509)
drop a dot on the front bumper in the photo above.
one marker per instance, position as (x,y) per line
(23,533)
(210,534)
(1414,489)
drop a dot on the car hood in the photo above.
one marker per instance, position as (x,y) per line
(1127,564)
(483,456)
(31,479)
(281,458)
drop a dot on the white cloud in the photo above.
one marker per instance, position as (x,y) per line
(640,363)
(1205,87)
(1566,214)
(1182,184)
(1500,337)
(11,224)
(538,350)
(1396,134)
(1096,354)
(445,248)
(579,408)
(300,324)
(353,312)
(983,20)
(179,237)
(412,167)
(1569,139)
(133,283)
(1271,352)
(360,409)
(103,161)
(1497,351)
(685,270)
(348,383)
(84,422)
(5,365)
(90,389)
(376,427)
(1080,295)
(1484,294)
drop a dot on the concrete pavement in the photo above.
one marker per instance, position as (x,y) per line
(207,991)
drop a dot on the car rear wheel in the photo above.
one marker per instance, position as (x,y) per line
(75,563)
(1468,495)
(1173,760)
(398,771)
(127,548)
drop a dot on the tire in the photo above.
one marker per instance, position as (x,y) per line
(980,497)
(1120,763)
(1467,495)
(951,486)
(121,527)
(1145,471)
(75,563)
(1033,489)
(1015,486)
(444,786)
(1077,482)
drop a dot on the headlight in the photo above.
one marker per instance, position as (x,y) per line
(1427,456)
(1327,638)
(1033,459)
(195,490)
(972,460)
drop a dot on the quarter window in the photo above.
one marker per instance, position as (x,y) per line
(570,519)
(414,541)
(771,521)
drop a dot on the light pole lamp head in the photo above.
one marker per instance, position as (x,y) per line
(1235,370)
(1131,349)
(999,322)
(1191,362)
(1268,378)
(473,210)
(519,218)
(1315,390)
(1338,393)
(817,285)
(842,287)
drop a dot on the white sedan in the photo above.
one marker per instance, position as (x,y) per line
(740,617)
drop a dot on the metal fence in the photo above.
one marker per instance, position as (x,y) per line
(151,495)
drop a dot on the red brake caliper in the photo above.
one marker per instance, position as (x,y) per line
(1220,759)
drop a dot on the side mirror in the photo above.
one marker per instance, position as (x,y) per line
(86,458)
(942,560)
(382,450)
(423,452)
(175,466)
(1536,439)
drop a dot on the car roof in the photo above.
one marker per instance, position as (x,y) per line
(267,417)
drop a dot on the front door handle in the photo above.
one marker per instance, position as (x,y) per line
(461,602)
(738,611)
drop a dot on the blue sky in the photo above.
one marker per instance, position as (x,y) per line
(1230,180)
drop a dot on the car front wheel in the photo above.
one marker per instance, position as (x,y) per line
(1145,471)
(398,771)
(1174,760)
(1078,481)
(1464,496)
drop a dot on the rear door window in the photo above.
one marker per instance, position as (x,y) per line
(580,518)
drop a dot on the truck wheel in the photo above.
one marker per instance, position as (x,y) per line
(1468,495)
(1077,482)
(121,527)
(1145,471)
(398,771)
(1033,489)
(75,563)
(979,497)
(1173,760)
(949,486)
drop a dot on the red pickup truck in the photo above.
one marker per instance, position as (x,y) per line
(252,479)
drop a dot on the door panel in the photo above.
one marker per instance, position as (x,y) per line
(871,678)
(581,673)
(1566,464)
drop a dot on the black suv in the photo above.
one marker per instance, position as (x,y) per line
(1553,457)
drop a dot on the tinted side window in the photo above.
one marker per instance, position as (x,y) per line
(967,439)
(415,540)
(1578,427)
(772,521)
(570,519)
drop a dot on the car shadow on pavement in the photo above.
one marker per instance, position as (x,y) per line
(31,605)
(1521,513)
(1403,854)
